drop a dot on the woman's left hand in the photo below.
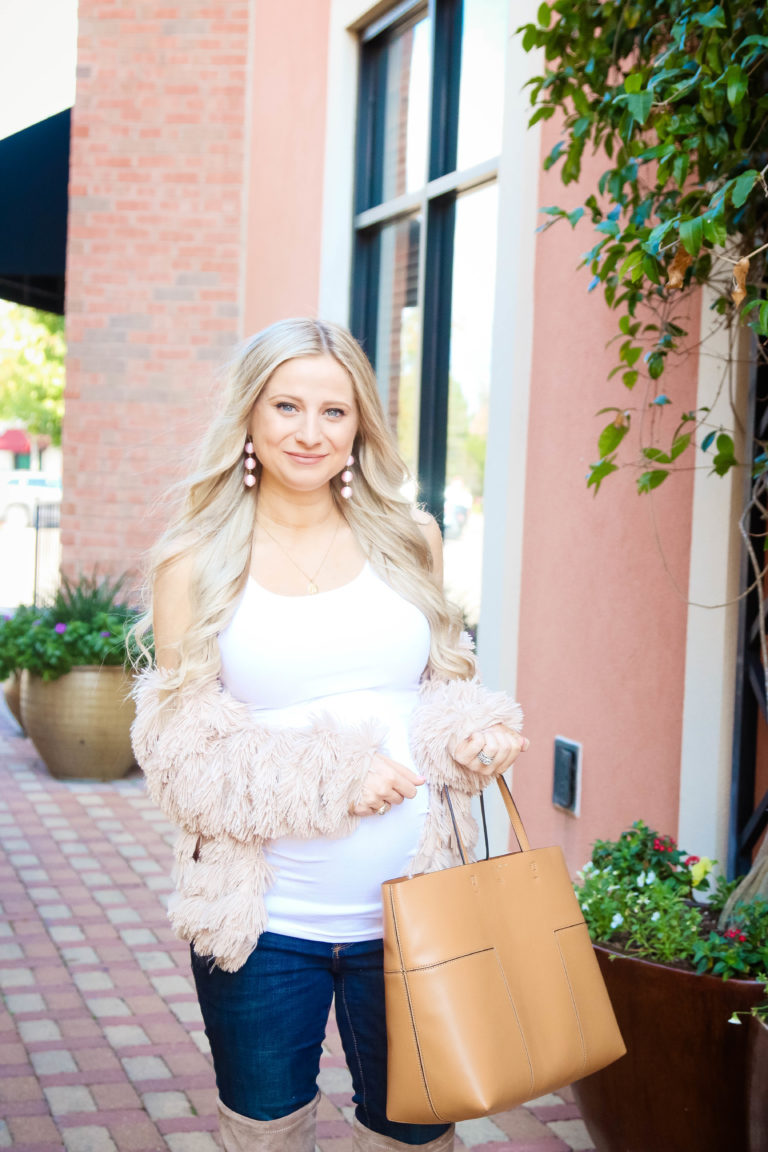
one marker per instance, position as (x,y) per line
(492,751)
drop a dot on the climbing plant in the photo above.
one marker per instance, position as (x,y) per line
(674,95)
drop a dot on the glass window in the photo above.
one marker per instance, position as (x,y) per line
(431,102)
(398,333)
(406,117)
(481,88)
(474,281)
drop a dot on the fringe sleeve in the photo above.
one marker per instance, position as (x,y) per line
(449,711)
(214,771)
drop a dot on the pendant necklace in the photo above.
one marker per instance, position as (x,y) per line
(312,588)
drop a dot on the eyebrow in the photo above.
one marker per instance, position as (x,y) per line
(299,400)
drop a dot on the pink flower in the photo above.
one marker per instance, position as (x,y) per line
(60,628)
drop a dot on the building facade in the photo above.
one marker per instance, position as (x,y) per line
(234,163)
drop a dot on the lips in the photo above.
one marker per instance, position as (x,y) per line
(305,459)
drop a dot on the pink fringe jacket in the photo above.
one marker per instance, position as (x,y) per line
(231,784)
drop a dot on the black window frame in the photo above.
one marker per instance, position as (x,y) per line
(435,201)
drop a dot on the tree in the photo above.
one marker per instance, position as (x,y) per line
(32,351)
(674,93)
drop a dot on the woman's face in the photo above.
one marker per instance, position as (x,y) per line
(304,423)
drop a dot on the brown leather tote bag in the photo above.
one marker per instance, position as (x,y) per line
(493,991)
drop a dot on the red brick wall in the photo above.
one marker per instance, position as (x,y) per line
(154,257)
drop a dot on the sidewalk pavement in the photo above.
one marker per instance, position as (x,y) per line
(102,1047)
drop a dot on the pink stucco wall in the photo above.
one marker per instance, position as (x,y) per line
(603,630)
(287,146)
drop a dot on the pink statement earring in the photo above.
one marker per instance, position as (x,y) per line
(249,464)
(346,478)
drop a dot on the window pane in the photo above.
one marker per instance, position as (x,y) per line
(481,92)
(474,278)
(398,333)
(406,113)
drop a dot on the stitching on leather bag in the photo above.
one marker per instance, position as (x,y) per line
(570,989)
(410,1006)
(517,1018)
(452,960)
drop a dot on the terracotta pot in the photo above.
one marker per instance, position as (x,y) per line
(683,1084)
(80,723)
(12,693)
(758,1086)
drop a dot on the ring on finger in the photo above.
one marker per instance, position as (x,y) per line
(384,809)
(484,758)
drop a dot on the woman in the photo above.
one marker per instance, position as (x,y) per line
(310,699)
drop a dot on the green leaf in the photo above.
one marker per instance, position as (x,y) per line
(575,216)
(544,15)
(650,480)
(715,231)
(657,455)
(712,19)
(725,457)
(737,82)
(763,318)
(655,365)
(598,472)
(639,105)
(610,438)
(530,37)
(706,443)
(630,378)
(742,187)
(680,445)
(633,82)
(629,354)
(543,112)
(692,234)
(632,265)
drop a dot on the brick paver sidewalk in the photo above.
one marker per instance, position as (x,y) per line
(101,1042)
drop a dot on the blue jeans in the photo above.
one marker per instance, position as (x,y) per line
(266,1023)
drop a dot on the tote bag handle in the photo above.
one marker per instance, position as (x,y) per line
(514,819)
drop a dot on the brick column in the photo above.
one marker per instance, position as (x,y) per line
(154,258)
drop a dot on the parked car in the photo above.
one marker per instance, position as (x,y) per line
(20,493)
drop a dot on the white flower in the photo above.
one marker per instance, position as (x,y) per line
(641,880)
(650,876)
(656,916)
(617,920)
(588,867)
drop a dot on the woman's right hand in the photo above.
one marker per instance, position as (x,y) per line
(387,783)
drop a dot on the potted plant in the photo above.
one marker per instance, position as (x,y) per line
(75,688)
(676,976)
(758,1077)
(13,628)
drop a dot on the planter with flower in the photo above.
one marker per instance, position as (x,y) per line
(676,972)
(75,689)
(13,628)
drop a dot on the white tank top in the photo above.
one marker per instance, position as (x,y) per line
(355,652)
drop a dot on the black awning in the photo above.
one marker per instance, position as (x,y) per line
(34,173)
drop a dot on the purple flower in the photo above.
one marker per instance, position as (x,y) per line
(6,616)
(60,628)
(105,633)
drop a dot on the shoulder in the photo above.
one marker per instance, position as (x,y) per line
(430,529)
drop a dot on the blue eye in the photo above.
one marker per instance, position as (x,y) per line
(335,412)
(283,405)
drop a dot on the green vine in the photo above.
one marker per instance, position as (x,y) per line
(674,94)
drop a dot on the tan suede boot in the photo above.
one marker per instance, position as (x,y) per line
(367,1141)
(294,1133)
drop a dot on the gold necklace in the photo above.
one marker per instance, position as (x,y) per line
(312,588)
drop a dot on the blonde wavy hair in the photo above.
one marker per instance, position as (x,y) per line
(214,526)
